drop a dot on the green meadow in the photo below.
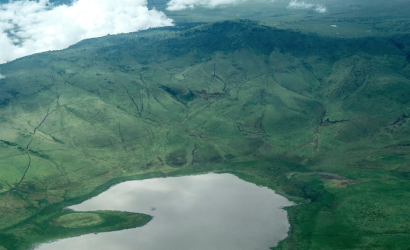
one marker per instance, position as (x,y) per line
(322,120)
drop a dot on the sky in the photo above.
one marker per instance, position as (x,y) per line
(184,4)
(28,26)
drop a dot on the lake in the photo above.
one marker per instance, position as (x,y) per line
(201,212)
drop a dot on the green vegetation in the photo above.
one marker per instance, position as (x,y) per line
(45,227)
(320,120)
(77,220)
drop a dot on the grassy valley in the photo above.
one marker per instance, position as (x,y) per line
(322,120)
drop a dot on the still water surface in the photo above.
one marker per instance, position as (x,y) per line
(212,211)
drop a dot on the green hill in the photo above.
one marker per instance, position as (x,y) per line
(321,120)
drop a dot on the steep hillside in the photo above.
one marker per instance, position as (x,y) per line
(321,120)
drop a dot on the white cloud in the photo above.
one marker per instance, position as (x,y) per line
(28,27)
(190,4)
(295,4)
(185,4)
(2,77)
(320,8)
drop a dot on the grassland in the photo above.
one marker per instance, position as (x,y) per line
(48,226)
(321,120)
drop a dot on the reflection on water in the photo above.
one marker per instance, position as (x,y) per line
(212,211)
